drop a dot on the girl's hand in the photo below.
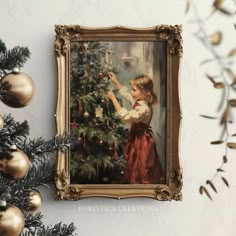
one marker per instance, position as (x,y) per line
(110,94)
(113,78)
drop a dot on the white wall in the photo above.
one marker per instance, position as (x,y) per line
(31,23)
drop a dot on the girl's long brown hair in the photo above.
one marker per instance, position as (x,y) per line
(145,84)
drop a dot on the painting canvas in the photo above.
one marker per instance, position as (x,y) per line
(115,98)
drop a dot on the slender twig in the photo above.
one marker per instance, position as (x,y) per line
(227,88)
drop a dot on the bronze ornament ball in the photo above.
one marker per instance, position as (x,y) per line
(19,89)
(36,200)
(12,220)
(14,163)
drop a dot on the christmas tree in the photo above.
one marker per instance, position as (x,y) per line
(98,135)
(24,163)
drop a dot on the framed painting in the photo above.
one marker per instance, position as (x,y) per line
(118,98)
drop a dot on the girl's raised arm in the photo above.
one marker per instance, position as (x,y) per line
(113,78)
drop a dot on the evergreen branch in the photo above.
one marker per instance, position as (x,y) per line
(56,230)
(16,57)
(2,89)
(40,147)
(2,46)
(12,133)
(13,193)
(32,221)
(40,173)
(13,58)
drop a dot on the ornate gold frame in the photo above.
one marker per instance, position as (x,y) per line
(172,35)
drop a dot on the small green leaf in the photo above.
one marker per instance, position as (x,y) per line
(226,12)
(212,185)
(187,6)
(216,38)
(202,190)
(210,78)
(218,3)
(232,53)
(225,160)
(208,117)
(220,170)
(232,102)
(219,85)
(225,181)
(217,142)
(231,145)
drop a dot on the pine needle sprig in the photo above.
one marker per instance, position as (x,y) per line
(32,221)
(16,58)
(39,147)
(12,133)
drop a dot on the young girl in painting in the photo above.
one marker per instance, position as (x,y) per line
(143,164)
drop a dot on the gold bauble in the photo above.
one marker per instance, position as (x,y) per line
(12,220)
(14,163)
(86,114)
(1,122)
(36,201)
(19,89)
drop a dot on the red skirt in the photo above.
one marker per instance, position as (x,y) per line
(143,163)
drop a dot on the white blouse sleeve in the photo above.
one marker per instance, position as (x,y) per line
(126,95)
(140,113)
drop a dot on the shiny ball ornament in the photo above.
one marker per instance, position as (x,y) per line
(35,202)
(86,114)
(1,122)
(12,220)
(19,89)
(79,140)
(100,75)
(14,163)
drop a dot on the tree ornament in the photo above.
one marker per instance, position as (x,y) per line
(79,140)
(80,105)
(74,125)
(14,163)
(19,89)
(100,75)
(35,201)
(101,141)
(86,114)
(99,112)
(115,155)
(12,220)
(1,122)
